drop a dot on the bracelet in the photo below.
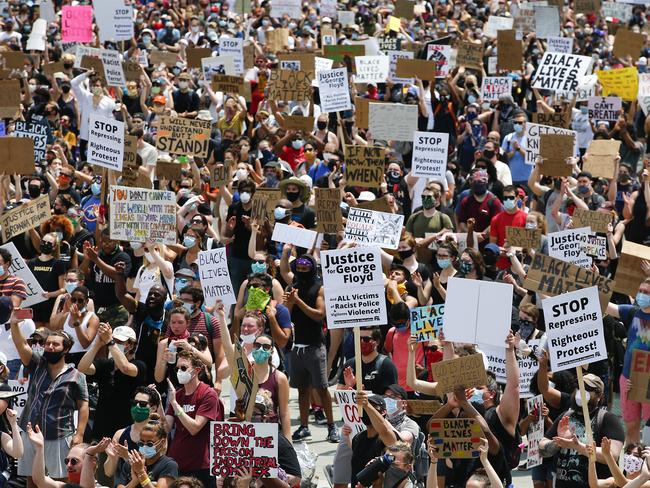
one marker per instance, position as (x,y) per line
(145,481)
(179,411)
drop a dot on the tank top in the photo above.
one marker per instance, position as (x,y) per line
(307,331)
(271,385)
(636,230)
(77,347)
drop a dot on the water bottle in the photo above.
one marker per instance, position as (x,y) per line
(171,349)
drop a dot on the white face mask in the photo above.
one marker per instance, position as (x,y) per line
(248,338)
(195,28)
(531,225)
(38,349)
(183,85)
(245,197)
(241,174)
(579,398)
(136,245)
(184,377)
(149,257)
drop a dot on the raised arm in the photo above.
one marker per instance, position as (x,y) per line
(508,408)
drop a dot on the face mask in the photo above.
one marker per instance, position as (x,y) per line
(477,397)
(405,254)
(189,307)
(265,23)
(149,257)
(321,125)
(258,299)
(258,267)
(583,189)
(632,464)
(179,284)
(183,85)
(132,93)
(428,202)
(139,414)
(63,180)
(189,241)
(394,175)
(184,377)
(297,144)
(466,267)
(241,174)
(526,327)
(518,128)
(53,357)
(38,349)
(96,189)
(584,110)
(393,476)
(248,338)
(47,247)
(479,188)
(643,300)
(195,28)
(245,197)
(74,477)
(443,263)
(293,196)
(279,213)
(509,204)
(155,90)
(367,348)
(271,179)
(488,154)
(97,90)
(391,405)
(34,191)
(471,99)
(147,451)
(146,40)
(531,225)
(260,356)
(578,398)
(292,25)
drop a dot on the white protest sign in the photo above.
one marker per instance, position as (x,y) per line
(442,55)
(532,139)
(496,356)
(617,10)
(346,18)
(574,327)
(496,23)
(114,19)
(373,228)
(243,445)
(393,56)
(586,88)
(81,51)
(321,64)
(218,65)
(19,268)
(595,247)
(17,403)
(106,142)
(47,11)
(560,45)
(493,87)
(547,22)
(333,89)
(392,121)
(371,69)
(469,303)
(535,431)
(644,92)
(347,400)
(215,277)
(492,65)
(291,234)
(292,8)
(36,41)
(328,9)
(430,152)
(561,72)
(567,245)
(113,70)
(233,46)
(354,287)
(604,108)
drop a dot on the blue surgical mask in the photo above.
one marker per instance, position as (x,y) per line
(279,213)
(96,188)
(391,405)
(519,128)
(70,286)
(189,307)
(147,451)
(643,300)
(189,241)
(258,267)
(509,204)
(531,225)
(584,110)
(443,263)
(583,189)
(471,99)
(179,284)
(477,397)
(260,356)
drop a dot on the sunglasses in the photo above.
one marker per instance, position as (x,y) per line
(31,342)
(366,339)
(259,261)
(148,443)
(266,347)
(183,368)
(77,300)
(509,198)
(72,461)
(140,403)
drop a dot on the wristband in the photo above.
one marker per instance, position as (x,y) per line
(179,411)
(145,481)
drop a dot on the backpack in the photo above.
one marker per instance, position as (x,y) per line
(421,461)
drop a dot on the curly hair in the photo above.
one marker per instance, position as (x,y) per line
(58,222)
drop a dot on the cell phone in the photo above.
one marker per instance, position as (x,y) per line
(23,313)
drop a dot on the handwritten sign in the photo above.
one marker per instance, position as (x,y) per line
(20,269)
(77,23)
(243,445)
(640,377)
(25,217)
(629,273)
(525,238)
(215,277)
(470,55)
(558,71)
(467,371)
(371,69)
(601,157)
(456,438)
(622,82)
(177,135)
(328,210)
(364,166)
(604,108)
(426,322)
(393,121)
(597,221)
(347,400)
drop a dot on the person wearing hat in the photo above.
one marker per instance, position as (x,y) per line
(186,101)
(297,192)
(182,278)
(511,216)
(565,440)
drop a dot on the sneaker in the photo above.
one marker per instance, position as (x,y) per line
(302,434)
(329,474)
(319,417)
(333,434)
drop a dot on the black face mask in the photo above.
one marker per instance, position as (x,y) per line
(293,196)
(53,357)
(68,65)
(47,247)
(34,191)
(303,276)
(407,253)
(321,125)
(490,258)
(58,211)
(488,154)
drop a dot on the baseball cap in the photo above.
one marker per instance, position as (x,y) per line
(161,99)
(492,247)
(124,333)
(185,273)
(377,401)
(594,382)
(398,390)
(366,196)
(184,76)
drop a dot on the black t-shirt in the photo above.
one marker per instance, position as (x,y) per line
(47,274)
(287,457)
(304,216)
(364,449)
(76,196)
(115,392)
(77,240)
(375,379)
(242,234)
(571,467)
(148,330)
(104,286)
(185,101)
(165,467)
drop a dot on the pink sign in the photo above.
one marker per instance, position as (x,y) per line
(77,23)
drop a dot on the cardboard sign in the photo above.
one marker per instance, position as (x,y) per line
(242,445)
(9,98)
(333,89)
(371,69)
(561,72)
(628,43)
(574,327)
(291,234)
(601,158)
(468,303)
(354,287)
(177,135)
(373,228)
(196,54)
(24,217)
(13,59)
(560,45)
(470,55)
(640,377)
(18,155)
(604,108)
(35,131)
(341,52)
(467,371)
(554,119)
(168,170)
(404,9)
(393,121)
(510,52)
(289,85)
(277,40)
(643,96)
(426,322)
(95,64)
(629,274)
(347,400)
(364,166)
(77,23)
(219,176)
(492,87)
(167,58)
(328,210)
(139,215)
(378,205)
(20,269)
(231,84)
(106,63)
(106,142)
(567,246)
(597,221)
(553,277)
(215,277)
(587,6)
(430,154)
(297,122)
(422,407)
(458,438)
(299,62)
(362,109)
(271,197)
(524,238)
(556,151)
(132,70)
(535,431)
(441,55)
(622,82)
(595,247)
(419,68)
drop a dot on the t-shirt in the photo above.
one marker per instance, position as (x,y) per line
(419,224)
(638,333)
(518,167)
(572,468)
(242,234)
(374,380)
(498,230)
(483,211)
(398,347)
(165,467)
(192,452)
(304,216)
(185,101)
(103,285)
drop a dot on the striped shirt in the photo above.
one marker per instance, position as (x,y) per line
(13,285)
(51,403)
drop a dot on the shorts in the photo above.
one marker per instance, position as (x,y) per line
(115,315)
(342,466)
(55,452)
(631,410)
(308,367)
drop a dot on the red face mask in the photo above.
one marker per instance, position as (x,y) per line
(367,348)
(74,477)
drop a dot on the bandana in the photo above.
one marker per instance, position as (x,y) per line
(258,299)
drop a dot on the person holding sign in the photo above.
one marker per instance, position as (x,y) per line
(511,216)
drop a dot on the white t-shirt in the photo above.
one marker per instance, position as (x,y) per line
(27,328)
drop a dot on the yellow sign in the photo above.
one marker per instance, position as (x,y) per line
(623,82)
